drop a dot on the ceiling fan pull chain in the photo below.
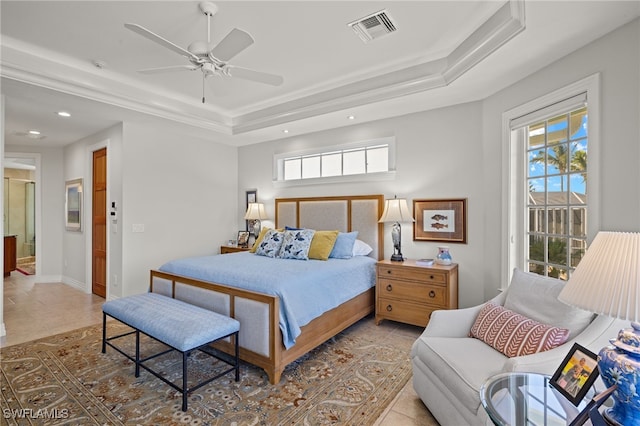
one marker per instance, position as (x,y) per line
(203,76)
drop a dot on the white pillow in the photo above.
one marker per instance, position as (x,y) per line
(360,248)
(536,297)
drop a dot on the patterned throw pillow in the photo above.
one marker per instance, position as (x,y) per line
(271,243)
(296,244)
(514,334)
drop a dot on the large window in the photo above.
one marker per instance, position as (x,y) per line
(556,206)
(364,158)
(551,199)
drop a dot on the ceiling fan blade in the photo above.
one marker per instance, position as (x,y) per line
(161,41)
(260,77)
(232,44)
(169,69)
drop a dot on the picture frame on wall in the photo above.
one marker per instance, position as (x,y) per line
(73,205)
(576,374)
(440,220)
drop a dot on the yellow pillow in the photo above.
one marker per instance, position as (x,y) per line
(322,244)
(255,245)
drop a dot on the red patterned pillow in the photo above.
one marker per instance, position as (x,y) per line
(514,334)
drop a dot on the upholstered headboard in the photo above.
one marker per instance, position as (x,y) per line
(344,213)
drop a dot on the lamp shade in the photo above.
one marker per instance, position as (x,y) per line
(607,279)
(255,211)
(396,210)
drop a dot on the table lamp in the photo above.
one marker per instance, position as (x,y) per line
(255,213)
(607,282)
(396,211)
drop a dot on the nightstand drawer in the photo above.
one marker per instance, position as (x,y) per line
(407,312)
(422,293)
(412,274)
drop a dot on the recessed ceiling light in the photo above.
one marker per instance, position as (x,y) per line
(34,132)
(285,131)
(63,114)
(351,117)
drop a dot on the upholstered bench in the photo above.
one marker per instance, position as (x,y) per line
(179,325)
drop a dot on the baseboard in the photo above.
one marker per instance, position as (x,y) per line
(75,284)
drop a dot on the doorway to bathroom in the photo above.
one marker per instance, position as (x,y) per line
(20,211)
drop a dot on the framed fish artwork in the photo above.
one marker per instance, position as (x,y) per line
(440,220)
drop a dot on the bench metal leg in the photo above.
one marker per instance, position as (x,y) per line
(185,389)
(137,353)
(237,357)
(104,333)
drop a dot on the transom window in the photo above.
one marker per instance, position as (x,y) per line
(354,159)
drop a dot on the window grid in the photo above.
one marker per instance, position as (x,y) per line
(556,158)
(294,167)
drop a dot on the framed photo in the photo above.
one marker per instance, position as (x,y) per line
(73,205)
(243,238)
(440,220)
(252,197)
(576,374)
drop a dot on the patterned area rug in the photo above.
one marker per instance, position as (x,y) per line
(65,379)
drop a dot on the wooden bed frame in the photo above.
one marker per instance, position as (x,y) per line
(260,336)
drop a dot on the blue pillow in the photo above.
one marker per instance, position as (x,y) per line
(291,228)
(343,248)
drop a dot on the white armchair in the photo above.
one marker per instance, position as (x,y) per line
(449,367)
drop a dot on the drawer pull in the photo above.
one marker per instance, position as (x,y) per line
(431,277)
(432,294)
(389,308)
(389,287)
(388,271)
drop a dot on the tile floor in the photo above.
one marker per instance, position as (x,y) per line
(34,310)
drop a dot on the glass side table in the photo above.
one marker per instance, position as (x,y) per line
(527,399)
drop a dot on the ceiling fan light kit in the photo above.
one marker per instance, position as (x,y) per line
(211,60)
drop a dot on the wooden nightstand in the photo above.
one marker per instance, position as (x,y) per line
(408,293)
(232,249)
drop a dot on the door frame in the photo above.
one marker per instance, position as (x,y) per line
(38,210)
(88,214)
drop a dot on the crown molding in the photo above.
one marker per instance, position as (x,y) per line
(24,63)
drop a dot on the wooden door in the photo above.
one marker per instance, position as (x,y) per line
(99,223)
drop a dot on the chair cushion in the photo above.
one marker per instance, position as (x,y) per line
(514,334)
(455,361)
(536,297)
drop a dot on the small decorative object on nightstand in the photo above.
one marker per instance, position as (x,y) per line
(443,257)
(407,292)
(232,249)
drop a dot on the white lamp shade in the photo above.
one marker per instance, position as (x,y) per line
(255,211)
(607,279)
(396,210)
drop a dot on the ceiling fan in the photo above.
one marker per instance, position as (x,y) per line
(210,60)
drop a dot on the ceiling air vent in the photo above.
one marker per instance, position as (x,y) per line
(373,26)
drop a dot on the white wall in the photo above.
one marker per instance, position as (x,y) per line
(436,157)
(616,57)
(456,152)
(78,159)
(182,189)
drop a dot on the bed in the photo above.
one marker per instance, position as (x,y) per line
(267,338)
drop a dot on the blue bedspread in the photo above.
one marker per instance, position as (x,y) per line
(306,288)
